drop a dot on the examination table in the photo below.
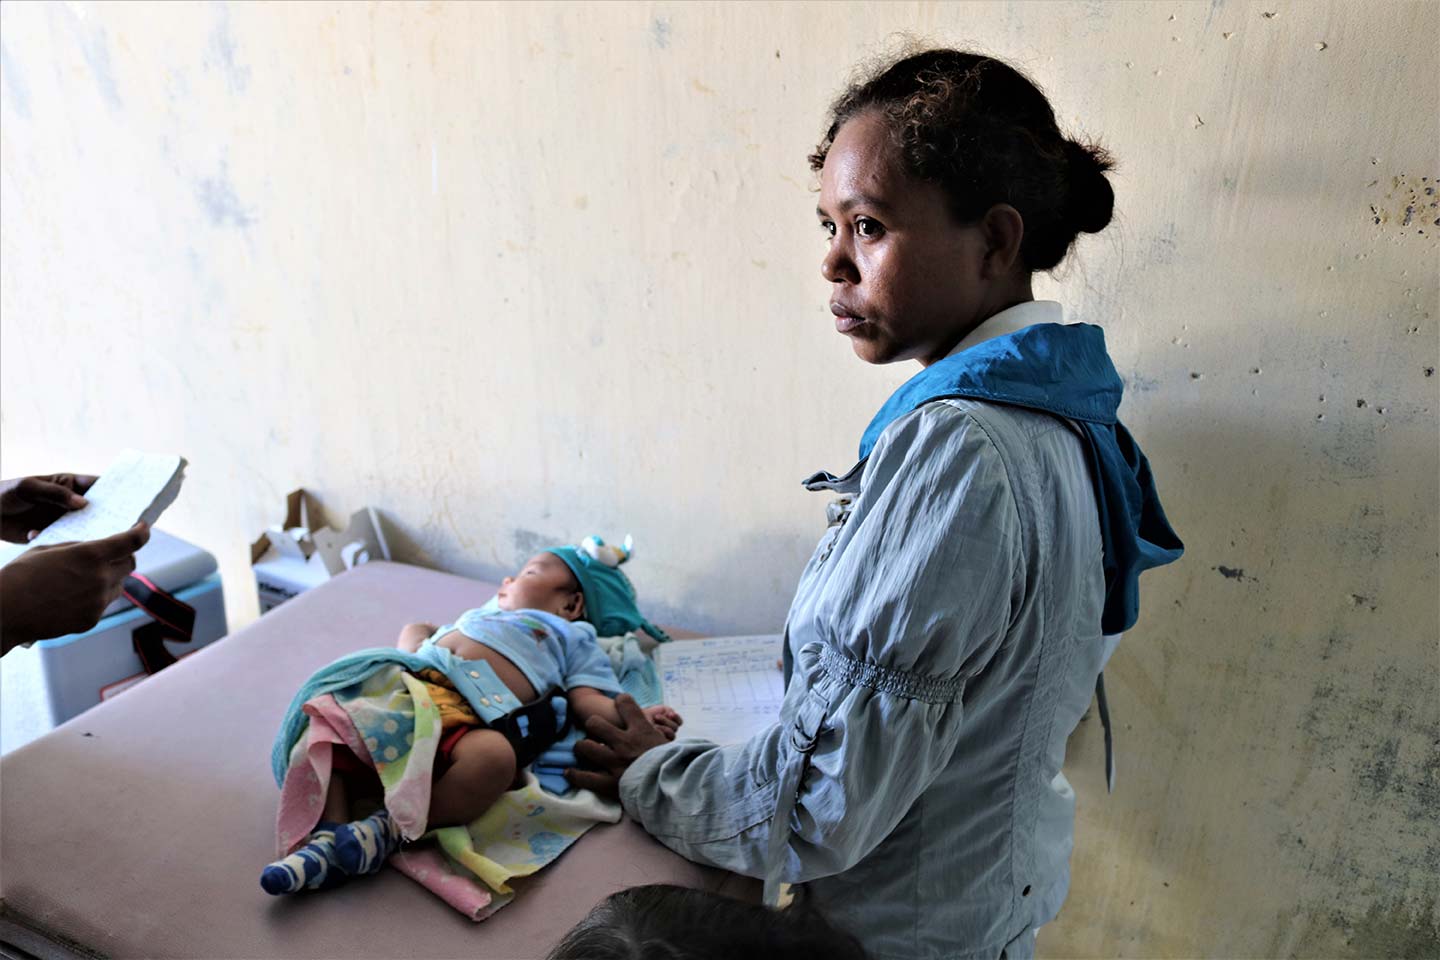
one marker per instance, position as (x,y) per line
(138,829)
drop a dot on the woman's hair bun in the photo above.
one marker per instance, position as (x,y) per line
(986,134)
(1091,201)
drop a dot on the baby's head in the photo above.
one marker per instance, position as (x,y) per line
(581,582)
(544,583)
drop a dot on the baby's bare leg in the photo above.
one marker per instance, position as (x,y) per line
(337,800)
(482,768)
(350,788)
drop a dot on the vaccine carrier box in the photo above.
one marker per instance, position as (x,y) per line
(51,681)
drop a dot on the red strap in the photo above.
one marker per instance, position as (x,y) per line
(170,619)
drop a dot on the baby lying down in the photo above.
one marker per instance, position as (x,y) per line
(508,680)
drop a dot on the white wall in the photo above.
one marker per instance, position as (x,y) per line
(519,273)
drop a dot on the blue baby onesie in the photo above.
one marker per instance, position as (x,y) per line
(551,651)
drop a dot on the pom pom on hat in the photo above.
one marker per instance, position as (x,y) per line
(608,554)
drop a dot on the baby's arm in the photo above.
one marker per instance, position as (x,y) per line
(414,634)
(588,702)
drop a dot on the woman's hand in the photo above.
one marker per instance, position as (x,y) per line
(613,747)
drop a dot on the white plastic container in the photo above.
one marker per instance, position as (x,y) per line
(51,681)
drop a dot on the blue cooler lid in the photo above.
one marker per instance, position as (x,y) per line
(171,564)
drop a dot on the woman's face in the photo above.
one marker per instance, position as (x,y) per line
(906,281)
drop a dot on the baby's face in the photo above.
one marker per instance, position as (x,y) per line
(544,583)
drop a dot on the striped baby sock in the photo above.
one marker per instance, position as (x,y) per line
(312,867)
(363,846)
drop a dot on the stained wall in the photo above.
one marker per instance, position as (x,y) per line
(516,273)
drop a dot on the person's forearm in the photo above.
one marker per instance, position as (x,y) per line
(722,818)
(588,702)
(18,604)
(412,635)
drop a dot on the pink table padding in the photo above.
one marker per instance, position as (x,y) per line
(139,828)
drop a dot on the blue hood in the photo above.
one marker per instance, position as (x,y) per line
(1063,369)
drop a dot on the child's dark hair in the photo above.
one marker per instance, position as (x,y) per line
(665,922)
(985,133)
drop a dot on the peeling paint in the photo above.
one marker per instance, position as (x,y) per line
(95,48)
(217,198)
(13,83)
(1409,204)
(222,51)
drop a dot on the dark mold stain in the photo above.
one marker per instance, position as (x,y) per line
(1392,929)
(1396,931)
(1376,773)
(1360,600)
(1140,384)
(1164,245)
(1232,573)
(529,542)
(1381,731)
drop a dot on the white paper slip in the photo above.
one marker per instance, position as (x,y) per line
(137,486)
(726,689)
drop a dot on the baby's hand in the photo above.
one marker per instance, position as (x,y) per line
(666,720)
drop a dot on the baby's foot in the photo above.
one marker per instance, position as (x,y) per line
(363,846)
(312,867)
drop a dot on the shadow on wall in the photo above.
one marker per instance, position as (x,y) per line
(727,599)
(406,547)
(724,600)
(1277,733)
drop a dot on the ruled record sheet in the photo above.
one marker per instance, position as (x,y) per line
(137,486)
(725,688)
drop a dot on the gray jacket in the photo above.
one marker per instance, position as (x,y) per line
(944,640)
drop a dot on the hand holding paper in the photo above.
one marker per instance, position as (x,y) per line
(31,504)
(88,532)
(136,487)
(53,591)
